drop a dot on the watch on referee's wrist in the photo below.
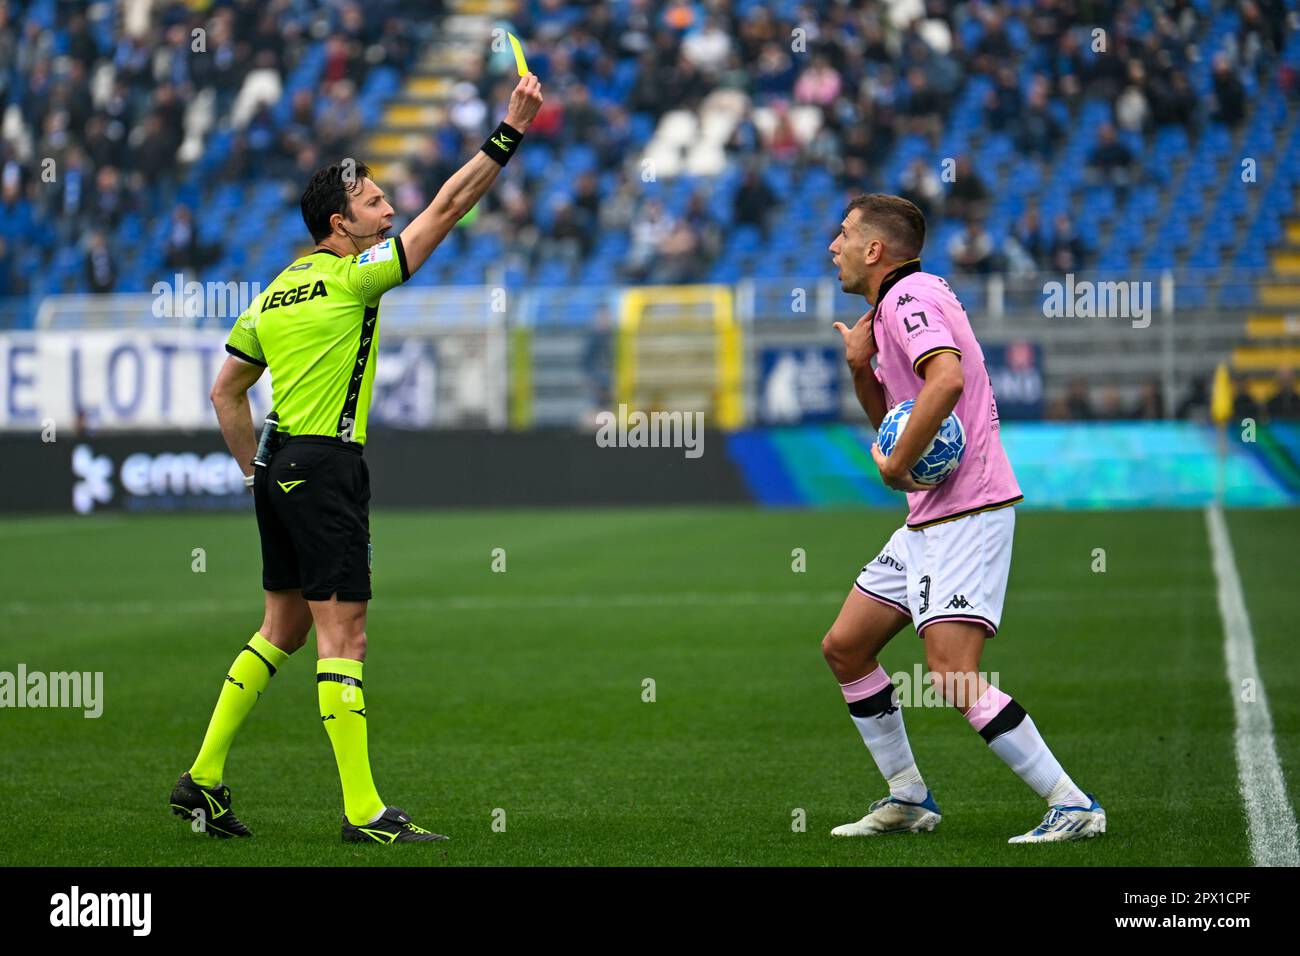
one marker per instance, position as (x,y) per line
(502,144)
(248,480)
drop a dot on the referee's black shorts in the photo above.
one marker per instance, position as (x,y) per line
(313,515)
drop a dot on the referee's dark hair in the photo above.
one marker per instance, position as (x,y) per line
(328,192)
(898,219)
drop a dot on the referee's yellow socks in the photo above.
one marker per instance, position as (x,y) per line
(343,712)
(247,678)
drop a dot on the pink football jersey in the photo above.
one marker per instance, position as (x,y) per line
(918,317)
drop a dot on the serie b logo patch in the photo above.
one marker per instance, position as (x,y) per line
(379,252)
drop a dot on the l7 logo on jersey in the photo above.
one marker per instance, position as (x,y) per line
(909,327)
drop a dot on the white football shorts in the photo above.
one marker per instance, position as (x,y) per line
(953,571)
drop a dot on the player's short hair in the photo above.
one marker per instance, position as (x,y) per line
(329,191)
(897,220)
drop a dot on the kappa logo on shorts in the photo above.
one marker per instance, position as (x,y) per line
(958,601)
(288,486)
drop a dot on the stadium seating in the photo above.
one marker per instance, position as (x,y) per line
(1182,208)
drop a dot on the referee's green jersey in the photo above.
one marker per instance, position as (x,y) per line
(316,327)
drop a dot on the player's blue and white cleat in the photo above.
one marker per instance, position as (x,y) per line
(1067,823)
(891,815)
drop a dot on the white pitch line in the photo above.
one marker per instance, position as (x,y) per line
(613,599)
(452,603)
(1269,816)
(57,526)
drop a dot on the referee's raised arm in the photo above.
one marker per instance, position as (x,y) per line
(459,193)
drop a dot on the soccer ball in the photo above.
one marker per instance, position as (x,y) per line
(944,454)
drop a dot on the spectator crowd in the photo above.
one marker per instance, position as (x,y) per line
(108,106)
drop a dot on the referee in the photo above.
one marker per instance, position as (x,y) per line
(316,328)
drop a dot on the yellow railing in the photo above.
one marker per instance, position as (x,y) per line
(676,310)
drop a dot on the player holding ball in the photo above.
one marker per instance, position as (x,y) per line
(945,570)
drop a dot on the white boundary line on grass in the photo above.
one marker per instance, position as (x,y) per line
(1269,817)
(663,599)
(38,526)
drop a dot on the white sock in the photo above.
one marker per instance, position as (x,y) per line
(1011,734)
(908,785)
(1066,793)
(1025,752)
(873,706)
(886,738)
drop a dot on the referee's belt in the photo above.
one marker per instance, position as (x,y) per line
(279,439)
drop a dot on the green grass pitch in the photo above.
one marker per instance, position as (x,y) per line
(522,691)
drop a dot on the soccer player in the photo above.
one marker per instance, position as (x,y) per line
(316,328)
(945,570)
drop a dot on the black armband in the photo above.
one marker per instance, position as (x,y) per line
(501,145)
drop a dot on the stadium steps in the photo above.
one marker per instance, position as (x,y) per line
(1286,258)
(423,101)
(1263,358)
(1279,292)
(1272,328)
(1271,333)
(495,9)
(1286,262)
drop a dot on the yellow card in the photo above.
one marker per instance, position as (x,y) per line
(520,62)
